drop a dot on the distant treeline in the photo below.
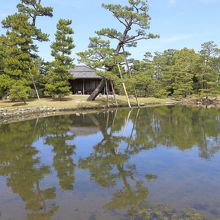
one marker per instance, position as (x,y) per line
(177,72)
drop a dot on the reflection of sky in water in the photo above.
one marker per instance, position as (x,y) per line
(127,154)
(182,176)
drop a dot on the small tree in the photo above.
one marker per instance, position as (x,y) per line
(19,92)
(58,78)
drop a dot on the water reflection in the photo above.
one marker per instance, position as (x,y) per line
(108,165)
(58,137)
(20,163)
(42,159)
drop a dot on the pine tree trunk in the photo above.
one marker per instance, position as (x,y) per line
(96,92)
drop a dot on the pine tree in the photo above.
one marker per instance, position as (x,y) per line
(184,71)
(175,71)
(34,9)
(1,54)
(162,64)
(1,66)
(142,76)
(19,50)
(135,22)
(57,83)
(208,74)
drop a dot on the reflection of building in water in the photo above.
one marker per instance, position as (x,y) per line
(84,131)
(84,125)
(89,124)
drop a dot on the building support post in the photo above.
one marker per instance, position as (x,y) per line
(83,87)
(106,86)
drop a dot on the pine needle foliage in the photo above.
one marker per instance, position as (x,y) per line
(58,78)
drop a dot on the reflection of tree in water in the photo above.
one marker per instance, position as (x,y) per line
(124,134)
(109,163)
(20,163)
(58,136)
(180,127)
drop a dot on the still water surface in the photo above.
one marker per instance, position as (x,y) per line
(116,165)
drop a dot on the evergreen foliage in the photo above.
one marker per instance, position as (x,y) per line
(135,22)
(1,55)
(208,70)
(19,92)
(58,84)
(178,73)
(19,51)
(1,65)
(34,9)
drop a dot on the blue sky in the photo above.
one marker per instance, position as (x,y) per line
(180,23)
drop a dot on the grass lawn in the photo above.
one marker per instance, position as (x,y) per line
(76,102)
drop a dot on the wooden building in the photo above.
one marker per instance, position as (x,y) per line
(85,80)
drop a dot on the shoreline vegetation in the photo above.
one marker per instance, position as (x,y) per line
(16,111)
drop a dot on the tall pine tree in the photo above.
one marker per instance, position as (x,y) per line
(19,50)
(34,9)
(58,77)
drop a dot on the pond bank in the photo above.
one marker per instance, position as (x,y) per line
(16,111)
(45,107)
(205,101)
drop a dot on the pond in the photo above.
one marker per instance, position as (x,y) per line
(151,163)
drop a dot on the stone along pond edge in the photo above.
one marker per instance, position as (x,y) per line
(8,115)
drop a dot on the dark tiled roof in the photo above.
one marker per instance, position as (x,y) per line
(84,72)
